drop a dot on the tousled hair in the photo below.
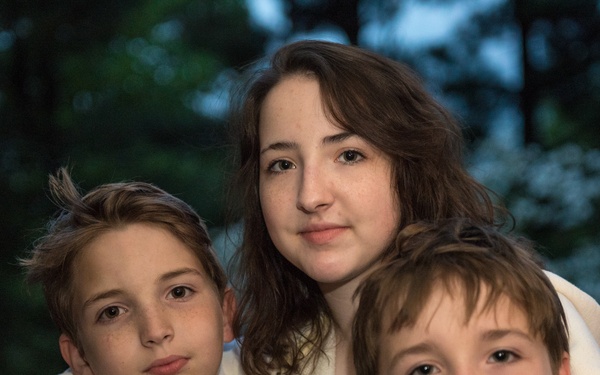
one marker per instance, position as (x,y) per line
(383,102)
(81,219)
(456,254)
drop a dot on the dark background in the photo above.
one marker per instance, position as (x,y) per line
(137,90)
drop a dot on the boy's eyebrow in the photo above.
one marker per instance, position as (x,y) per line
(415,349)
(491,335)
(163,278)
(100,296)
(496,334)
(335,138)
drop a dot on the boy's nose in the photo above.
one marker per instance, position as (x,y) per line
(155,327)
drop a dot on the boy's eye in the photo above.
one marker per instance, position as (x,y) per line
(425,370)
(180,292)
(502,356)
(111,312)
(350,156)
(281,165)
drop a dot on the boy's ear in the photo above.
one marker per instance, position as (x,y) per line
(229,310)
(73,357)
(565,365)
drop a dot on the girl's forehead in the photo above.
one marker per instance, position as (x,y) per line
(292,106)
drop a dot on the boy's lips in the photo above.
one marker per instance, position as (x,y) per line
(322,234)
(167,366)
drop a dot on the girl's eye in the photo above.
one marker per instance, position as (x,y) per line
(180,292)
(425,370)
(350,157)
(281,165)
(111,312)
(503,356)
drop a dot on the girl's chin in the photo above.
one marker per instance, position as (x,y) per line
(332,279)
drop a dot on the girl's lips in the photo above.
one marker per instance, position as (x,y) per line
(167,366)
(321,236)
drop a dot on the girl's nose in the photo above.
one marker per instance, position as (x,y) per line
(314,194)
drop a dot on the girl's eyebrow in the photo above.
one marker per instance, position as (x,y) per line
(337,138)
(278,146)
(330,139)
(178,272)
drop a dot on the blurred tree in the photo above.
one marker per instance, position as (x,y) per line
(117,90)
(310,15)
(559,102)
(561,60)
(137,89)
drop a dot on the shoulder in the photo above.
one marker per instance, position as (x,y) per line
(323,364)
(325,361)
(579,302)
(583,320)
(230,364)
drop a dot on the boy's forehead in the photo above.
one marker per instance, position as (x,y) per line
(452,299)
(444,330)
(133,257)
(445,316)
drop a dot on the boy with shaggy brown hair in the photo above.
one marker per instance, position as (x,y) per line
(460,298)
(132,282)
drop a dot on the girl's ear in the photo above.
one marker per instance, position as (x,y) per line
(565,365)
(73,357)
(229,310)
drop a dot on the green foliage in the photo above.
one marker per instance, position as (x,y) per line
(114,89)
(108,89)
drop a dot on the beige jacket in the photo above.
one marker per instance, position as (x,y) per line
(583,319)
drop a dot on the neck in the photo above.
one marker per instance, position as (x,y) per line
(340,301)
(339,297)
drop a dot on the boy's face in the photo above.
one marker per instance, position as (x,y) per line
(145,305)
(497,341)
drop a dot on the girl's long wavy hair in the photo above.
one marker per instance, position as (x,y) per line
(282,313)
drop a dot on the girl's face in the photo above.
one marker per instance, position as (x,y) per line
(326,194)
